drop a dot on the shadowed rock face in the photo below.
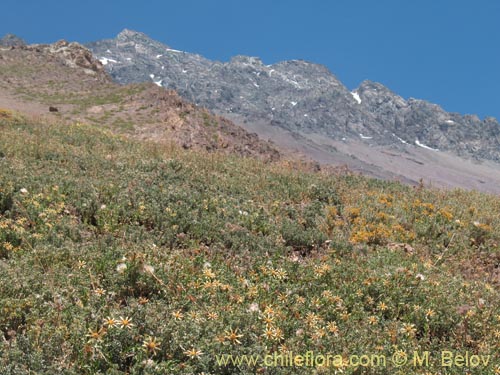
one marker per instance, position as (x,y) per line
(298,96)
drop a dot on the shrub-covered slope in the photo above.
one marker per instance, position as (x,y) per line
(119,257)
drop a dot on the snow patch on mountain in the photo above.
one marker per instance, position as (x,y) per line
(356,97)
(417,142)
(106,60)
(400,139)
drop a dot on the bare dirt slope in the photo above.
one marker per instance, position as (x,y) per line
(405,163)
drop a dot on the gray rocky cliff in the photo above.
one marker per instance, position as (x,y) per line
(298,96)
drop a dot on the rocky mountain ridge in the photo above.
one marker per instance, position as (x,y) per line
(11,40)
(299,96)
(301,107)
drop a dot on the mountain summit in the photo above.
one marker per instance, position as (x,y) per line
(303,105)
(299,96)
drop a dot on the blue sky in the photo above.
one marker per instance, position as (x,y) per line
(444,51)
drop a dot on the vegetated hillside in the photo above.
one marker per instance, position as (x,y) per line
(67,78)
(127,257)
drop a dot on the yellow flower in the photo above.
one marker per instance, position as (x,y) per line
(470,314)
(312,319)
(282,297)
(194,315)
(268,320)
(143,300)
(382,306)
(151,345)
(208,284)
(220,339)
(283,348)
(446,214)
(337,300)
(8,246)
(278,334)
(372,320)
(193,353)
(269,310)
(345,316)
(316,302)
(430,313)
(96,335)
(333,328)
(207,272)
(327,294)
(110,322)
(300,300)
(238,299)
(233,336)
(212,315)
(125,322)
(21,221)
(252,292)
(100,292)
(268,333)
(409,329)
(318,334)
(178,315)
(279,274)
(321,270)
(353,212)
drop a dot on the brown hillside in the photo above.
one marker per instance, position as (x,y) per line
(64,81)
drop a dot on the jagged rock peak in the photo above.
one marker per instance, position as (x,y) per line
(11,40)
(142,43)
(368,85)
(248,60)
(127,34)
(375,94)
(306,66)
